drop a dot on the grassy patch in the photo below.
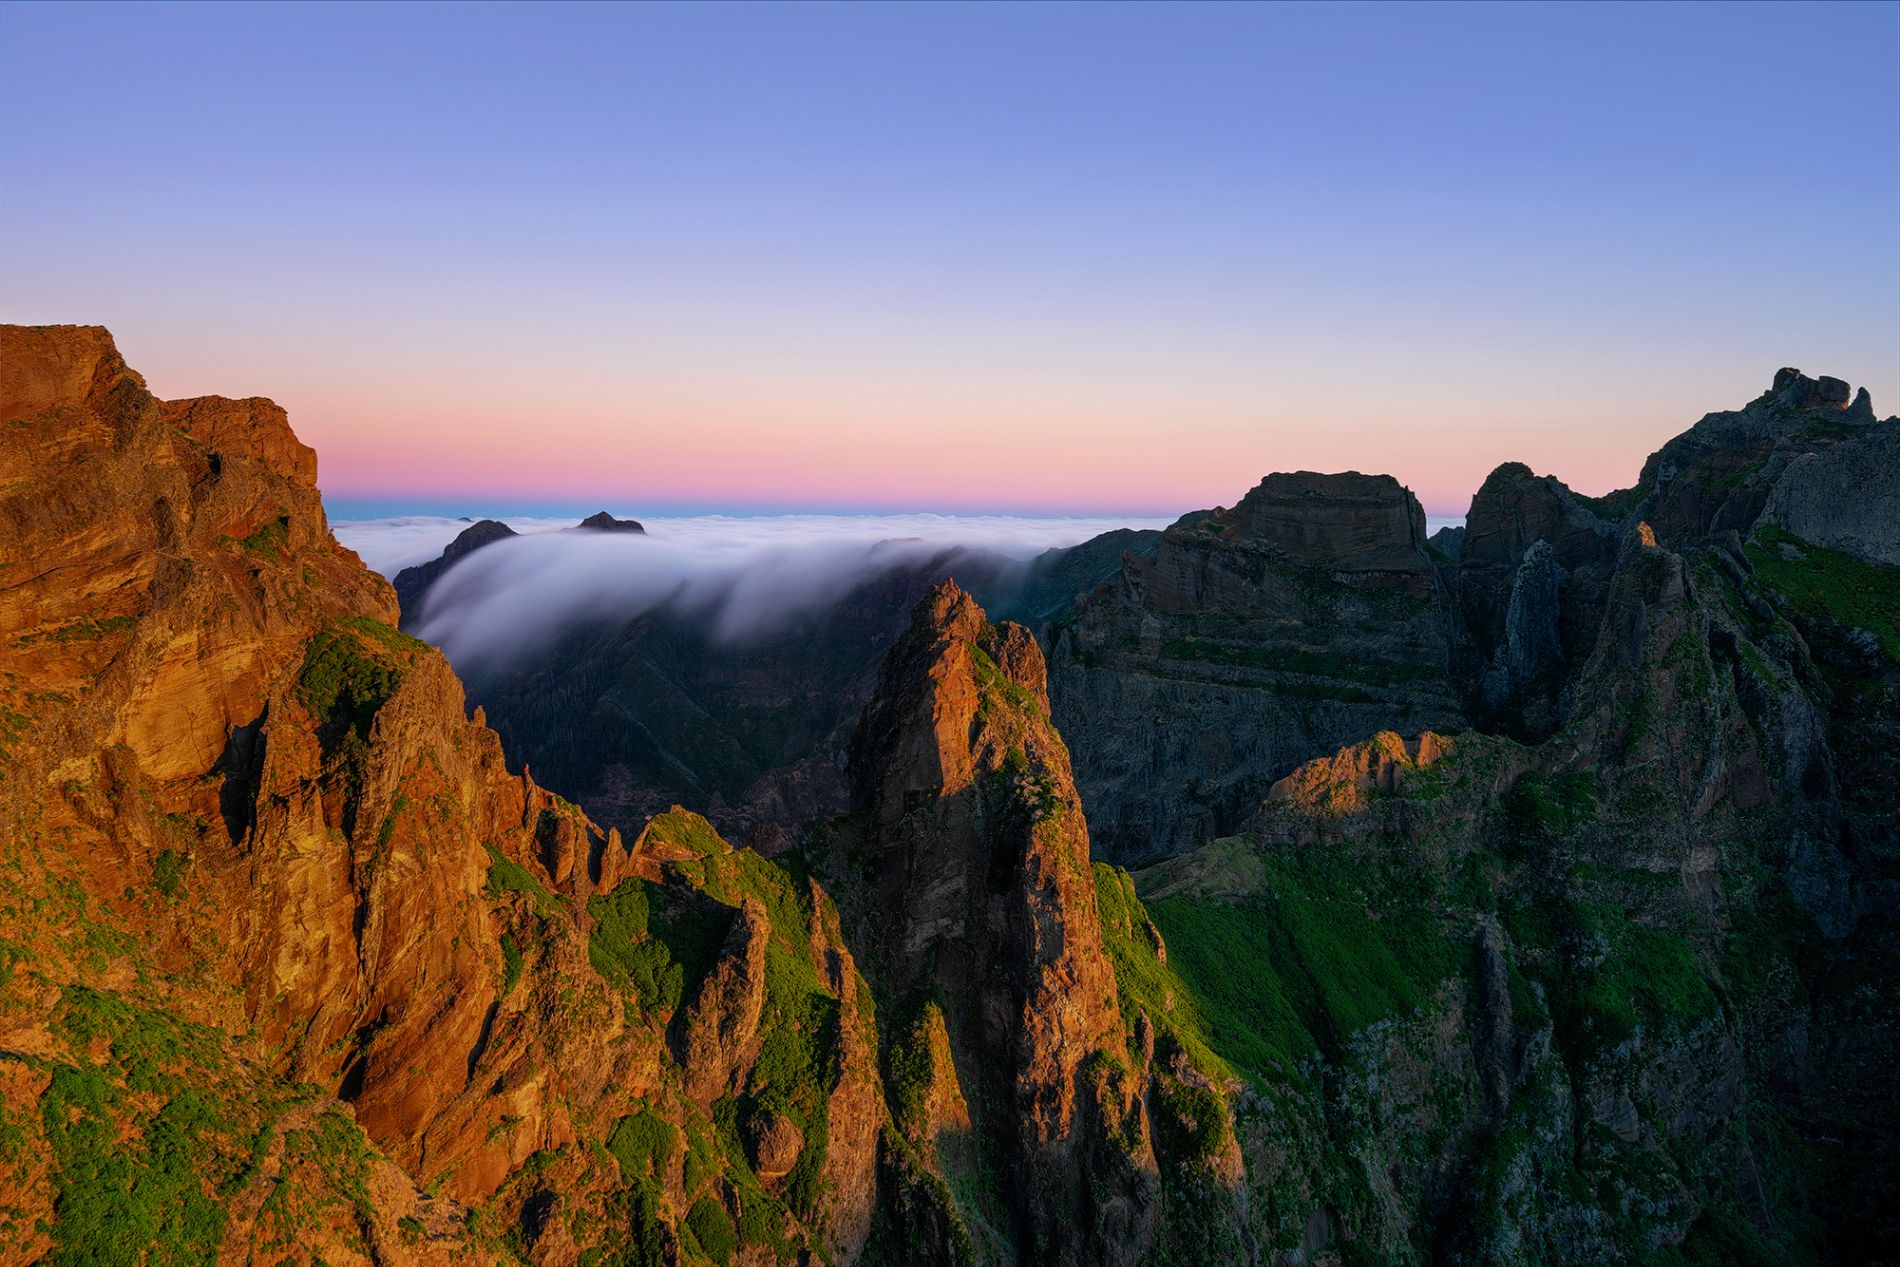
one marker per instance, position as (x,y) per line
(268,540)
(711,1227)
(1827,584)
(505,875)
(1605,975)
(644,1145)
(511,963)
(797,1066)
(349,672)
(1143,982)
(141,1145)
(1330,948)
(622,951)
(168,873)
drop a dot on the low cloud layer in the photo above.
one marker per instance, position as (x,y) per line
(746,575)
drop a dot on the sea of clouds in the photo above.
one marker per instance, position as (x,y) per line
(745,574)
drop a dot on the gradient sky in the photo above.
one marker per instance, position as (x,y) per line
(1052,258)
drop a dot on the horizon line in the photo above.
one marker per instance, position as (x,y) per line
(346,508)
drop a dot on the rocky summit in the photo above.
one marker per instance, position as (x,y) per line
(1289,889)
(601,521)
(413,583)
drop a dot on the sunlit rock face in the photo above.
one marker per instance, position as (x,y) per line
(274,900)
(984,898)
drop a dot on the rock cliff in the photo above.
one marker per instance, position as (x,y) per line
(979,907)
(294,960)
(1308,616)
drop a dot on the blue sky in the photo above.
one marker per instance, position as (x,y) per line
(1055,257)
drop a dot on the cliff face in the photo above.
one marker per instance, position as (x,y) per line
(294,959)
(1609,996)
(1306,617)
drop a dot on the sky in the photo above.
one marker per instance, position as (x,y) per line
(1043,259)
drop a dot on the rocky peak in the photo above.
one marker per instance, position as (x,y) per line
(475,536)
(1794,390)
(412,583)
(601,521)
(1515,507)
(1718,475)
(982,881)
(1255,638)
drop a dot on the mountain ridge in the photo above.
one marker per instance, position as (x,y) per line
(299,968)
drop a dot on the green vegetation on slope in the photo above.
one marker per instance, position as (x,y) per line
(1143,982)
(1822,583)
(1604,974)
(349,671)
(621,949)
(148,1144)
(1331,946)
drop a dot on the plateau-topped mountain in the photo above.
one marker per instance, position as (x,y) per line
(1309,615)
(1592,960)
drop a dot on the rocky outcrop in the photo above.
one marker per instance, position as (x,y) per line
(1527,589)
(1366,527)
(1717,476)
(1344,783)
(414,582)
(1847,497)
(719,1039)
(1305,618)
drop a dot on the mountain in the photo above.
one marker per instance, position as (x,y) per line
(601,521)
(1598,969)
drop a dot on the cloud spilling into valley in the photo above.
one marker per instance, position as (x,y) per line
(745,576)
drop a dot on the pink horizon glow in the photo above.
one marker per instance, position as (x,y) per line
(481,433)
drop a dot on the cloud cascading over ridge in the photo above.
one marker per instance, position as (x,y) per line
(745,575)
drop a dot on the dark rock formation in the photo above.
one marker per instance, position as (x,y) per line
(1718,475)
(414,582)
(1846,497)
(1306,617)
(601,521)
